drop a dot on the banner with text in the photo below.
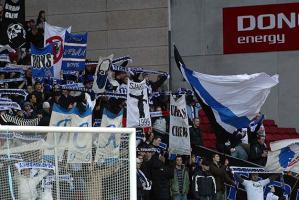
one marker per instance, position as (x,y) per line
(42,62)
(12,30)
(260,28)
(179,137)
(74,52)
(138,114)
(79,145)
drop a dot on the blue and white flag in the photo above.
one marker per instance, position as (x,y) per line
(108,143)
(234,99)
(78,144)
(74,52)
(42,62)
(284,156)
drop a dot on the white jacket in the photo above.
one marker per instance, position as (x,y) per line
(27,185)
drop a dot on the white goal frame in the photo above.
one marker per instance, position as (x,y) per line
(104,130)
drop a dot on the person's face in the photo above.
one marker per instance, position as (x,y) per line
(216,158)
(254,177)
(43,15)
(29,89)
(261,140)
(273,189)
(33,99)
(179,161)
(157,142)
(196,122)
(158,109)
(193,158)
(205,168)
(148,155)
(27,107)
(2,76)
(38,87)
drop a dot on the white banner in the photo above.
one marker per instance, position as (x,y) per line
(78,144)
(138,114)
(55,35)
(108,143)
(284,156)
(101,74)
(179,137)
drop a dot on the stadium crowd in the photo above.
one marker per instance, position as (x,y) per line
(160,176)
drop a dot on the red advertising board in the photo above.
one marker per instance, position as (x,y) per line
(261,28)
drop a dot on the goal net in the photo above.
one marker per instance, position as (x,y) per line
(67,163)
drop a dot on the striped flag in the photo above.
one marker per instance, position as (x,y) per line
(74,52)
(230,101)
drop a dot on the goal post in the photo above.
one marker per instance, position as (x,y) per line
(67,163)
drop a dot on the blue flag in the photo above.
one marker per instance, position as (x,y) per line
(74,52)
(42,62)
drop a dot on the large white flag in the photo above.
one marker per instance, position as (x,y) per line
(55,35)
(138,114)
(108,143)
(179,137)
(284,156)
(234,99)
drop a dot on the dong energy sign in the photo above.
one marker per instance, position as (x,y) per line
(262,28)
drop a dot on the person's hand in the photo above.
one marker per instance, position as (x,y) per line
(162,158)
(232,150)
(226,162)
(265,154)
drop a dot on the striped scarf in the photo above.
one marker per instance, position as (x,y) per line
(19,121)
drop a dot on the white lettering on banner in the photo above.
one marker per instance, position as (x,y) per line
(138,114)
(267,21)
(179,138)
(269,39)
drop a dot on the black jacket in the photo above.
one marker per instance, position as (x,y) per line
(256,151)
(203,184)
(160,176)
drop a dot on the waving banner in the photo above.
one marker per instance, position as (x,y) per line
(284,156)
(138,114)
(179,137)
(74,52)
(42,61)
(55,35)
(230,101)
(101,74)
(12,31)
(108,143)
(78,144)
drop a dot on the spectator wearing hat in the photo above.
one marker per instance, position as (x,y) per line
(28,110)
(179,185)
(220,175)
(203,183)
(45,114)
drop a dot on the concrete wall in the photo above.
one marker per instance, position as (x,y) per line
(197,32)
(123,27)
